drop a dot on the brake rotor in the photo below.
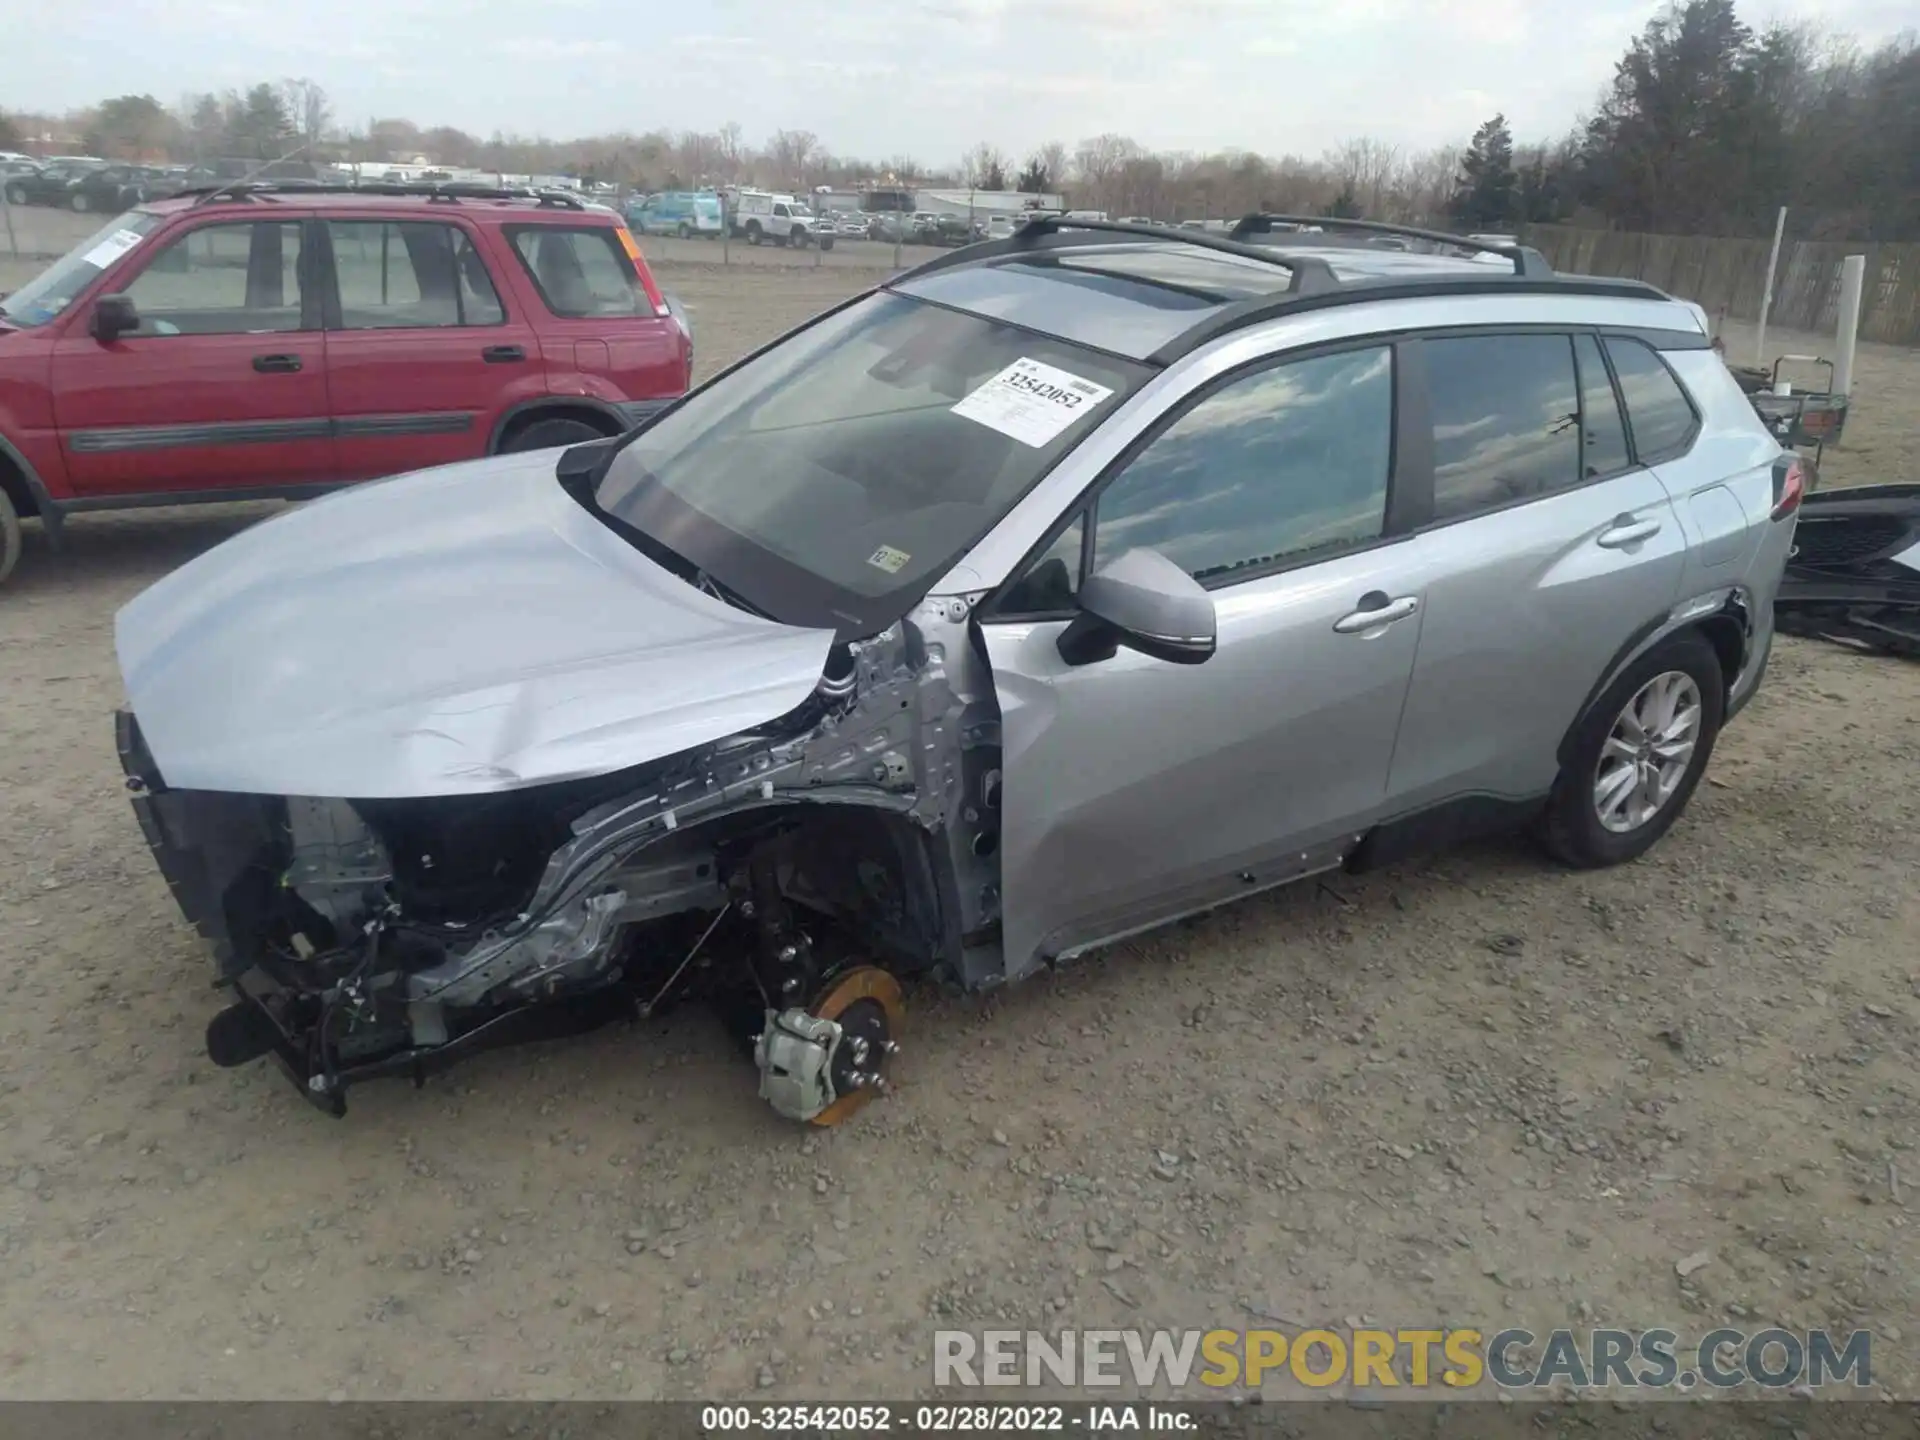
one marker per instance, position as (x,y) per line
(867,1004)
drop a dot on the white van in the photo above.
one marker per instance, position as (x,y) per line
(778,220)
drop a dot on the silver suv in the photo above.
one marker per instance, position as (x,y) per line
(1062,586)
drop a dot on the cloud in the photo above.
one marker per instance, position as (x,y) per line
(928,78)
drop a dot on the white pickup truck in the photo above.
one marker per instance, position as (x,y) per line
(763,217)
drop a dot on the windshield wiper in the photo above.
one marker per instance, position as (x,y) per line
(579,472)
(726,594)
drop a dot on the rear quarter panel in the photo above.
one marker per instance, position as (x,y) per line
(1723,487)
(600,357)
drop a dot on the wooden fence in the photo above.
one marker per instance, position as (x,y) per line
(1728,277)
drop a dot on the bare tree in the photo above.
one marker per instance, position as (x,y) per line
(732,151)
(308,108)
(697,156)
(1096,165)
(985,168)
(1365,169)
(793,154)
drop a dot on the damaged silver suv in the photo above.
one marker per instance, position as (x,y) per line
(1062,586)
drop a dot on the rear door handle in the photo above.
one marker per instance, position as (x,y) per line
(502,354)
(1627,530)
(1376,610)
(276,364)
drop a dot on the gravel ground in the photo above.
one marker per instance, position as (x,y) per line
(1472,1091)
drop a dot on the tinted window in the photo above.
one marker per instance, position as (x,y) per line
(410,276)
(1506,417)
(1604,436)
(1657,408)
(222,280)
(1052,581)
(1281,463)
(581,273)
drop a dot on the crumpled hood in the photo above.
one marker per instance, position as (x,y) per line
(456,631)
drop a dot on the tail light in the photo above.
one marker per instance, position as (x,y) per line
(1789,485)
(654,297)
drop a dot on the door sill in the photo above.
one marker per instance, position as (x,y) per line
(161,499)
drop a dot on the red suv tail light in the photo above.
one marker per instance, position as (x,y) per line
(654,297)
(1789,485)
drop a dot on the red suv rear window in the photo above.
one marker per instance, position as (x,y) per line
(583,271)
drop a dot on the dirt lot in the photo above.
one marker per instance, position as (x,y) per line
(1474,1091)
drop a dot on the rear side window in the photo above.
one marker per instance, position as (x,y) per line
(1603,435)
(580,273)
(410,275)
(1506,420)
(1658,411)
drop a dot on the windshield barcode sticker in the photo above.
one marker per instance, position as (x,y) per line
(1031,402)
(112,248)
(889,559)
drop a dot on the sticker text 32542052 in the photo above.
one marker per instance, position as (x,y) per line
(1032,402)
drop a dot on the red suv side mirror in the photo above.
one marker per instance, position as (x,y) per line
(114,316)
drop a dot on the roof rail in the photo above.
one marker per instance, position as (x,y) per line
(1310,275)
(1525,260)
(451,192)
(1405,287)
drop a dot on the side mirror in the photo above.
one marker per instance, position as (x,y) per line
(114,316)
(1147,603)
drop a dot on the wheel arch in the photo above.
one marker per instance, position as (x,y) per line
(1723,618)
(585,408)
(24,486)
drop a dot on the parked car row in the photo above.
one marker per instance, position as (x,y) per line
(226,349)
(82,183)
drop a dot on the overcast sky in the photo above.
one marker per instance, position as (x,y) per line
(880,77)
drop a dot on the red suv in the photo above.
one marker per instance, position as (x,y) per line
(278,341)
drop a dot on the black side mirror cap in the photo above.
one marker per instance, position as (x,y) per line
(114,316)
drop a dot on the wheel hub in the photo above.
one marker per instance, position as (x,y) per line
(1647,753)
(822,1064)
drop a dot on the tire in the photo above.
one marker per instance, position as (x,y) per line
(16,195)
(1577,829)
(754,235)
(552,434)
(686,231)
(78,200)
(9,536)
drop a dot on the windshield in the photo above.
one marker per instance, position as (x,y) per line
(43,298)
(831,480)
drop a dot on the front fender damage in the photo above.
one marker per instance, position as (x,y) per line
(392,937)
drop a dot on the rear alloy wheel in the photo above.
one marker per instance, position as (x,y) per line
(9,536)
(686,231)
(1638,755)
(80,202)
(16,194)
(551,435)
(753,233)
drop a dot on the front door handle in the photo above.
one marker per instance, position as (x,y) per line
(1376,610)
(1627,530)
(502,354)
(276,364)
